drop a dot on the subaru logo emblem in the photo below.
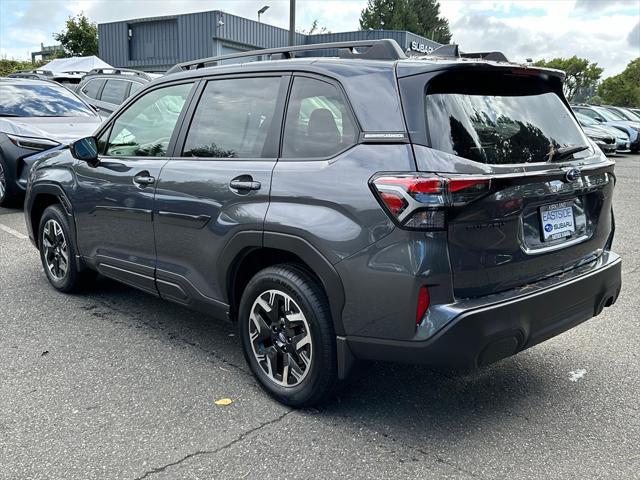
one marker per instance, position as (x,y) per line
(572,175)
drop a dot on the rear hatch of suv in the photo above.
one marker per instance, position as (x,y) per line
(529,196)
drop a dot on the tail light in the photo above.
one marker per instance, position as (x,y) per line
(418,202)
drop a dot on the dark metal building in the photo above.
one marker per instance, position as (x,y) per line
(157,43)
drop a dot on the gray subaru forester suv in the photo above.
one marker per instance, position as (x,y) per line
(445,210)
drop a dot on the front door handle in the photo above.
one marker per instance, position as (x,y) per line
(144,179)
(244,183)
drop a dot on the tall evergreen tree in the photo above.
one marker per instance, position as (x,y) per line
(431,24)
(418,16)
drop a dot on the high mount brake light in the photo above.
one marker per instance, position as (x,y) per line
(418,202)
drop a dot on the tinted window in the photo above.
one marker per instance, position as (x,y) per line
(586,120)
(608,114)
(144,129)
(318,123)
(498,119)
(135,86)
(233,118)
(40,100)
(115,91)
(92,87)
(588,112)
(631,115)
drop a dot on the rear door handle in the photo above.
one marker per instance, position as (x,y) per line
(143,179)
(244,182)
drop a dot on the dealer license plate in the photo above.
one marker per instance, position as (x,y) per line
(557,221)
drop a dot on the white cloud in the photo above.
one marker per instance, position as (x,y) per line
(541,29)
(604,31)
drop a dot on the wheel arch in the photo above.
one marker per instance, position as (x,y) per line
(40,197)
(250,252)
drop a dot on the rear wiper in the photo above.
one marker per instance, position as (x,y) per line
(556,154)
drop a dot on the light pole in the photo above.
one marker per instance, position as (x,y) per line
(292,22)
(261,11)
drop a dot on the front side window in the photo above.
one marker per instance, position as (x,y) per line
(115,91)
(144,129)
(500,120)
(233,118)
(318,122)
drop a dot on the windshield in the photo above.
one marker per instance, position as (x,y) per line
(40,100)
(628,115)
(584,120)
(498,129)
(608,114)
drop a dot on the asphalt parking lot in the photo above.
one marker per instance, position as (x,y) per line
(116,384)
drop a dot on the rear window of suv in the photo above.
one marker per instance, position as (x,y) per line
(498,119)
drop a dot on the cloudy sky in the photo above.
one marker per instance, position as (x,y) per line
(605,31)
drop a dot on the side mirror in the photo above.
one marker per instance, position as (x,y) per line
(599,119)
(86,150)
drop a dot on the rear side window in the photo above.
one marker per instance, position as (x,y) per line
(499,119)
(115,91)
(92,87)
(318,122)
(233,118)
(145,128)
(135,86)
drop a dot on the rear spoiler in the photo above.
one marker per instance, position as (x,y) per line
(452,51)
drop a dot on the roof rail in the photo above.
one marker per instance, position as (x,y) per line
(452,51)
(118,71)
(385,49)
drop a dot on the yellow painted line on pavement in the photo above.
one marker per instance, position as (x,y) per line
(13,232)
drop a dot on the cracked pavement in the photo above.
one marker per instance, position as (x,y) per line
(116,384)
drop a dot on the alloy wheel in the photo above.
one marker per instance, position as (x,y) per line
(280,338)
(3,183)
(56,253)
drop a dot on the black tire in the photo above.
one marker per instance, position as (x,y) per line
(10,196)
(73,279)
(309,298)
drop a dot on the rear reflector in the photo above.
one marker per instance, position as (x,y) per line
(423,304)
(455,185)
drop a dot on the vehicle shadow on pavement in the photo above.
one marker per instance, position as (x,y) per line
(407,402)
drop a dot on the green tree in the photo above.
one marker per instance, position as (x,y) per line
(580,73)
(80,37)
(431,24)
(622,89)
(421,17)
(11,66)
(315,29)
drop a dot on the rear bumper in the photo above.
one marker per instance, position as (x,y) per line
(485,330)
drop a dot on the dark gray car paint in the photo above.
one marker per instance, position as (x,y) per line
(181,231)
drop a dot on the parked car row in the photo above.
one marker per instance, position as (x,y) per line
(409,221)
(40,110)
(605,120)
(106,88)
(69,79)
(36,115)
